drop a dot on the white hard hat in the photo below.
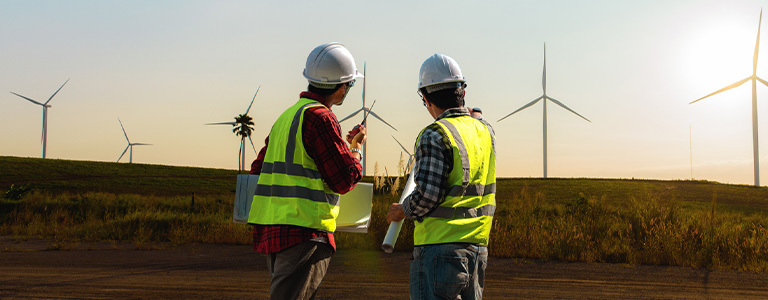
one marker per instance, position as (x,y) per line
(440,72)
(330,64)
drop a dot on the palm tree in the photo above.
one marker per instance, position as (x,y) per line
(243,127)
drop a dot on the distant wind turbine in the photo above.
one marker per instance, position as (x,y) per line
(368,111)
(410,156)
(545,98)
(243,127)
(130,145)
(754,78)
(44,138)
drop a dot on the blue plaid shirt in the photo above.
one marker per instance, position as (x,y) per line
(434,161)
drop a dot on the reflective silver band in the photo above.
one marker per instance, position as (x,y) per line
(462,212)
(493,134)
(462,150)
(292,133)
(289,169)
(472,190)
(296,192)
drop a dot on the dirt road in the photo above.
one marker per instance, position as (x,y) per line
(235,272)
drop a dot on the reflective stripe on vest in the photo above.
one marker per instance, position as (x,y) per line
(291,190)
(466,213)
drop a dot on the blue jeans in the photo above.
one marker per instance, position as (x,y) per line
(448,271)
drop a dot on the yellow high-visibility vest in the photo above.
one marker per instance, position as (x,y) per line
(290,190)
(466,213)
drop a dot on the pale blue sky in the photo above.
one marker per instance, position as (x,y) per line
(168,67)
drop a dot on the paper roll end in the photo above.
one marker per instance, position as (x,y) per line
(387,248)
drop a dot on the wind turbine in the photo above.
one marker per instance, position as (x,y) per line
(754,78)
(130,145)
(244,130)
(44,138)
(410,156)
(367,111)
(545,98)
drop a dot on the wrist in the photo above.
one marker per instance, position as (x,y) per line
(358,151)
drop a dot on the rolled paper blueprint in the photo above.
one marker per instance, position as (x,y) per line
(394,228)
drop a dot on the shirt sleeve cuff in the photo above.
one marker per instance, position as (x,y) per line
(408,212)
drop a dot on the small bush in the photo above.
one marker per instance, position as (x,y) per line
(16,192)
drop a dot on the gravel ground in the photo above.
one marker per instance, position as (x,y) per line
(119,271)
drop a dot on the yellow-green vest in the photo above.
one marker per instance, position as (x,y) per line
(466,213)
(290,190)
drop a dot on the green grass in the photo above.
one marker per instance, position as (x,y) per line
(56,176)
(681,223)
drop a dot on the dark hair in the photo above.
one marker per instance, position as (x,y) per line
(323,92)
(445,99)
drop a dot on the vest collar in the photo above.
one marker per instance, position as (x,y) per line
(454,112)
(313,96)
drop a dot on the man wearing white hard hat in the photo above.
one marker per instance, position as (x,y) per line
(455,196)
(304,166)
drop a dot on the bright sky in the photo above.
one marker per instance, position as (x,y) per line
(166,68)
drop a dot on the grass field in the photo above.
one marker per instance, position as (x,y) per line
(683,223)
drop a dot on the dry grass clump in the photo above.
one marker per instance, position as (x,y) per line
(649,231)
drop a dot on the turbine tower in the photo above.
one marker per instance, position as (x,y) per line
(243,130)
(130,145)
(368,111)
(755,79)
(44,138)
(545,98)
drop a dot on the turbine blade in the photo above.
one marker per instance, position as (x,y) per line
(121,126)
(566,107)
(524,107)
(761,80)
(57,91)
(222,123)
(30,100)
(757,44)
(367,111)
(253,146)
(544,73)
(364,80)
(738,83)
(352,115)
(401,146)
(140,144)
(380,119)
(254,98)
(121,155)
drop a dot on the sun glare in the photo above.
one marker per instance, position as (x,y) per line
(718,54)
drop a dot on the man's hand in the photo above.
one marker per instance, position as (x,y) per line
(395,213)
(357,136)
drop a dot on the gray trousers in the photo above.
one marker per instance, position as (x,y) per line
(296,272)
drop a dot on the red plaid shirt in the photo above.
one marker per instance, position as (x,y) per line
(323,142)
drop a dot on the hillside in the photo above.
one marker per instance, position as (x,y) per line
(685,223)
(55,175)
